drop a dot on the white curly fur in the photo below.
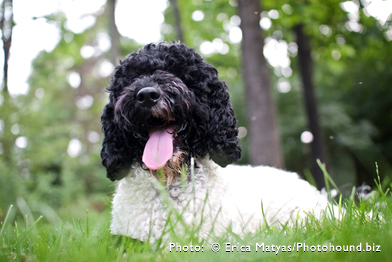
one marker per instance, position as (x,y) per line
(237,197)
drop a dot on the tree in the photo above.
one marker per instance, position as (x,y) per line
(365,87)
(65,115)
(264,143)
(301,21)
(6,24)
(177,20)
(114,35)
(355,127)
(305,67)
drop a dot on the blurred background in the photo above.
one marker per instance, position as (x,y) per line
(328,65)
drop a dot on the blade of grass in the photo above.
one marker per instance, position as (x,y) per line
(27,231)
(6,220)
(193,184)
(378,182)
(265,219)
(87,224)
(352,194)
(340,205)
(309,177)
(327,177)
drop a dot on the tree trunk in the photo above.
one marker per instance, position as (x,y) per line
(305,65)
(177,21)
(6,24)
(6,28)
(114,35)
(264,137)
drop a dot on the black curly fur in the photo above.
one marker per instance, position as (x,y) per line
(192,96)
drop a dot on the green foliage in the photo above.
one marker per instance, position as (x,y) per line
(43,178)
(352,76)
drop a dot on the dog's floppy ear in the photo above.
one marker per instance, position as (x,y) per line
(222,126)
(115,154)
(217,126)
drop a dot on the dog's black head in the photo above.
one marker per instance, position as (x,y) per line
(165,98)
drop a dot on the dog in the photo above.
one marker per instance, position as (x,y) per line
(170,139)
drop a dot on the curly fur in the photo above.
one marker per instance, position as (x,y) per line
(189,95)
(209,122)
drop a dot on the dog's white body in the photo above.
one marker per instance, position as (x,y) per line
(234,197)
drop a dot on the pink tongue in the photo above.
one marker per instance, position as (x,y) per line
(159,147)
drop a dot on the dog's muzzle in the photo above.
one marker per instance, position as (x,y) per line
(148,96)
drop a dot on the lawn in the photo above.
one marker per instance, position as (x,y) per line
(363,233)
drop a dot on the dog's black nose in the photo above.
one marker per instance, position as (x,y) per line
(148,96)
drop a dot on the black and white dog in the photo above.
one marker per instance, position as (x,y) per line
(167,107)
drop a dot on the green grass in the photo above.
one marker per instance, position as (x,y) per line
(366,225)
(90,240)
